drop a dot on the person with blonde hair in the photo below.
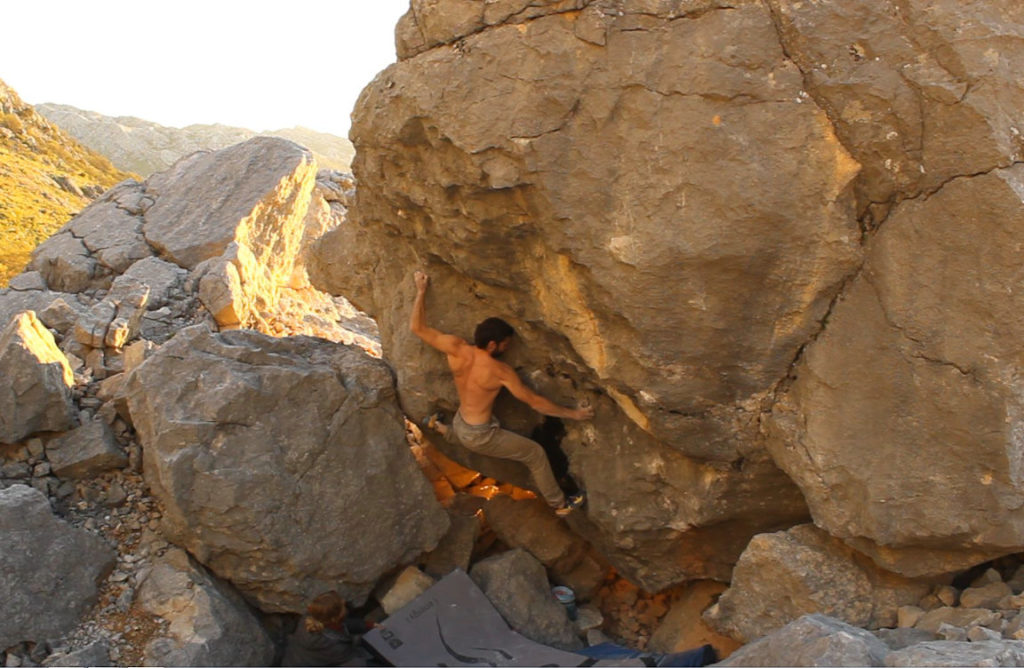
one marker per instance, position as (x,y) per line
(326,636)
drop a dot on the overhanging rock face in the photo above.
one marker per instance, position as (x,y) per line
(667,201)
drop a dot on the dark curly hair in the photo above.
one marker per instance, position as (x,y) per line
(492,329)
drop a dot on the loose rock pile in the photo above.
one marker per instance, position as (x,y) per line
(102,297)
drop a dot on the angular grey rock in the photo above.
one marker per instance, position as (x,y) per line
(901,638)
(35,394)
(66,264)
(236,217)
(112,235)
(964,618)
(515,582)
(950,632)
(813,640)
(987,596)
(137,353)
(784,575)
(92,248)
(49,571)
(951,653)
(981,634)
(210,199)
(529,524)
(284,457)
(116,320)
(61,314)
(13,302)
(29,280)
(209,623)
(85,452)
(455,548)
(94,654)
(161,277)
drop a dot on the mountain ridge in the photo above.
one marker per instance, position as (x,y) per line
(145,147)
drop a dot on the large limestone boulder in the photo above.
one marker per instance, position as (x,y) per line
(783,576)
(917,90)
(665,232)
(49,571)
(672,203)
(281,464)
(36,391)
(910,402)
(207,622)
(237,216)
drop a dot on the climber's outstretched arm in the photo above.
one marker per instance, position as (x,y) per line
(449,344)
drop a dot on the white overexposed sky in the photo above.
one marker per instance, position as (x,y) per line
(259,65)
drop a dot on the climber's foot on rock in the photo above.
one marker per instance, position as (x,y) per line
(434,423)
(572,502)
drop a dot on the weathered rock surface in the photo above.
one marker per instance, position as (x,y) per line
(938,407)
(683,628)
(396,593)
(49,571)
(530,525)
(101,242)
(85,452)
(574,218)
(242,209)
(515,582)
(95,654)
(813,640)
(209,624)
(963,618)
(785,575)
(282,464)
(56,310)
(673,204)
(455,548)
(951,653)
(35,394)
(913,89)
(116,319)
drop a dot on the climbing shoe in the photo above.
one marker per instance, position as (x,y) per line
(432,422)
(572,502)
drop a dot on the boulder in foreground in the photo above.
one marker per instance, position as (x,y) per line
(49,571)
(282,464)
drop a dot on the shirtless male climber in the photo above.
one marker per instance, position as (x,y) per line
(479,378)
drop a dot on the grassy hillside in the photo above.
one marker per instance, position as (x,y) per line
(45,178)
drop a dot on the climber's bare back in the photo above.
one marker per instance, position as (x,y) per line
(478,379)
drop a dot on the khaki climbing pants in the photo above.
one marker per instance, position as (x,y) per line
(490,439)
